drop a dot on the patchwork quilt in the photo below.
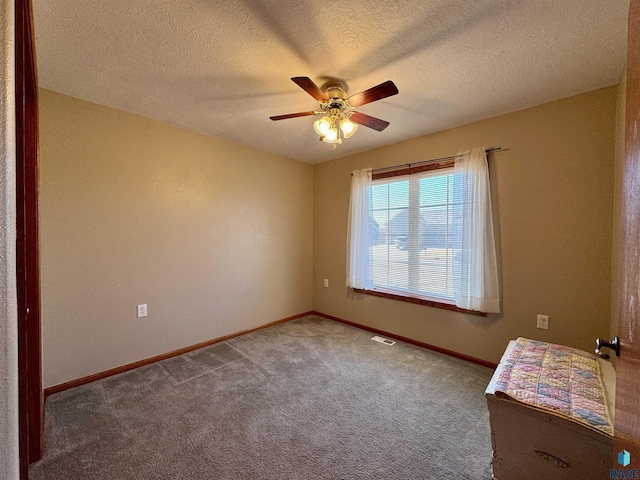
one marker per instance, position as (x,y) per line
(555,378)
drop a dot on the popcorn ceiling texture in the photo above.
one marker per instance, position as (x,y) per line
(9,468)
(222,68)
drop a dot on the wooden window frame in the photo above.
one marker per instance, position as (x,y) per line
(447,164)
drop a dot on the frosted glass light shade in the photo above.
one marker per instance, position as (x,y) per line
(331,136)
(322,126)
(348,127)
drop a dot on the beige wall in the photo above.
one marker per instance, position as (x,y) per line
(616,259)
(553,200)
(215,237)
(218,237)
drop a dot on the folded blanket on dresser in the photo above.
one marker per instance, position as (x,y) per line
(561,380)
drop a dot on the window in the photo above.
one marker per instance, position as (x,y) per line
(414,249)
(425,234)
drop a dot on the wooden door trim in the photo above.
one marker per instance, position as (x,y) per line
(31,398)
(627,421)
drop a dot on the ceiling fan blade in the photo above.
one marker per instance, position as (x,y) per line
(369,121)
(292,115)
(311,88)
(378,92)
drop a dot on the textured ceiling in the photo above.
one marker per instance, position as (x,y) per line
(224,67)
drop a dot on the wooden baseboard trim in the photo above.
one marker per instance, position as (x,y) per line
(418,343)
(147,361)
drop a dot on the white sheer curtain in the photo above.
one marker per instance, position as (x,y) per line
(357,243)
(477,287)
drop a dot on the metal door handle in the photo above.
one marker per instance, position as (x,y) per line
(612,344)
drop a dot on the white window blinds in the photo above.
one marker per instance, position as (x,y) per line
(416,251)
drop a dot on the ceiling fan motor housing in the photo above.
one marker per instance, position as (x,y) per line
(337,100)
(335,92)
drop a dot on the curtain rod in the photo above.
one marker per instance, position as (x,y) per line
(424,162)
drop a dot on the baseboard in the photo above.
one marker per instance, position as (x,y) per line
(147,361)
(435,348)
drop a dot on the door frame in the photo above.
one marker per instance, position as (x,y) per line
(31,399)
(627,420)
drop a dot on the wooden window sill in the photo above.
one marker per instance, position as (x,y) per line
(419,301)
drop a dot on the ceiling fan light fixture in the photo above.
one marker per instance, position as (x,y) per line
(348,127)
(338,108)
(332,136)
(322,126)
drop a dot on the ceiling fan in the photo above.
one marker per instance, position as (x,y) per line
(339,117)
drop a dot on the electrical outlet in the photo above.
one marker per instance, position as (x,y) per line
(326,283)
(543,322)
(142,310)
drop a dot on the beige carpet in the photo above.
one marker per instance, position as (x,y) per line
(308,399)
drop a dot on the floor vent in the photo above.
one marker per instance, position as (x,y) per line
(386,341)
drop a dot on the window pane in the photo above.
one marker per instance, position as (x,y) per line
(417,218)
(435,260)
(389,209)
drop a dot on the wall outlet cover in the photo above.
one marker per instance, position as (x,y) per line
(543,322)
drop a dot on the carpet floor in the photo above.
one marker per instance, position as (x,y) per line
(304,400)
